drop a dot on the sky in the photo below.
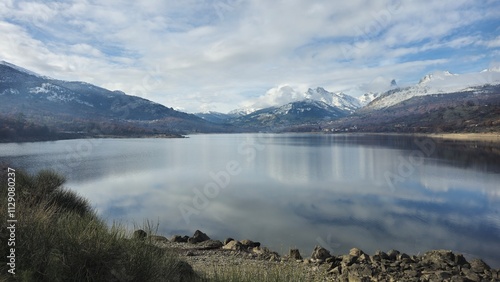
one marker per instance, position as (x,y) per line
(200,55)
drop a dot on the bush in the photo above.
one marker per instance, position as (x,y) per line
(60,238)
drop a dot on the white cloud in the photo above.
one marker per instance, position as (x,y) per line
(219,52)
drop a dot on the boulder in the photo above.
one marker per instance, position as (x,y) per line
(198,237)
(210,245)
(139,234)
(228,240)
(233,245)
(179,239)
(355,252)
(379,255)
(249,243)
(294,254)
(393,254)
(320,253)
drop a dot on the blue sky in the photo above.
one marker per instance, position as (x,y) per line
(220,55)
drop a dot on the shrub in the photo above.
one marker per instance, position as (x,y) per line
(60,238)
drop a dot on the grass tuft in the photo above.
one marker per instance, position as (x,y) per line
(60,238)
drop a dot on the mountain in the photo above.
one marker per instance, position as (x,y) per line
(367,98)
(436,83)
(340,100)
(61,102)
(285,94)
(299,112)
(216,117)
(473,110)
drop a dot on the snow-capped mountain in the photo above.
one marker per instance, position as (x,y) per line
(437,83)
(367,98)
(285,94)
(216,117)
(339,100)
(293,113)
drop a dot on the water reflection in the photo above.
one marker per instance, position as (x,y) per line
(294,190)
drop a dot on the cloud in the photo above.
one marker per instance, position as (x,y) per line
(226,52)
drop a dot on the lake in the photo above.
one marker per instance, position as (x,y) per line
(374,192)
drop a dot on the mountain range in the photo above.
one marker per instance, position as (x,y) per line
(73,106)
(464,102)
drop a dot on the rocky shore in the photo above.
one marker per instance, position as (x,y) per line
(203,253)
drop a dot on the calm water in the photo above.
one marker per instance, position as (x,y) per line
(290,190)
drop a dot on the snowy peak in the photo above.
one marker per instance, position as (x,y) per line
(367,98)
(437,83)
(285,94)
(435,76)
(491,69)
(339,100)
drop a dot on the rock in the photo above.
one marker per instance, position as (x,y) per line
(478,266)
(139,234)
(331,260)
(249,243)
(274,257)
(355,252)
(347,260)
(471,275)
(460,259)
(495,274)
(336,270)
(259,251)
(438,257)
(360,272)
(179,239)
(294,254)
(210,245)
(442,275)
(379,255)
(233,245)
(228,240)
(364,258)
(198,237)
(393,254)
(404,257)
(411,273)
(320,253)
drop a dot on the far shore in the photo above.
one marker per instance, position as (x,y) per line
(486,137)
(493,137)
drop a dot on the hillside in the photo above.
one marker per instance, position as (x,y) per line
(475,110)
(70,106)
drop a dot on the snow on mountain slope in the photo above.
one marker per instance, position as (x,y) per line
(436,83)
(367,98)
(285,94)
(339,100)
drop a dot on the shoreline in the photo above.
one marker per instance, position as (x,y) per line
(477,137)
(208,256)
